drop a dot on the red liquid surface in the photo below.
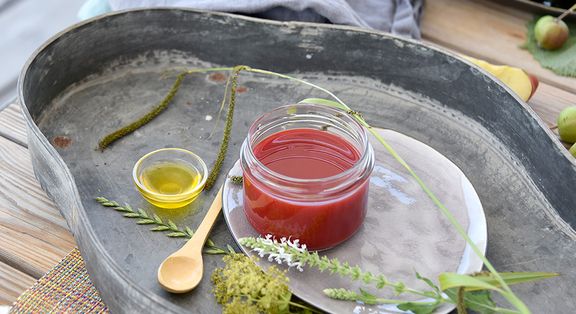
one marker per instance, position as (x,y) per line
(306,154)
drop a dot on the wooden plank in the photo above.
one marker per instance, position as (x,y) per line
(486,30)
(12,283)
(33,233)
(13,125)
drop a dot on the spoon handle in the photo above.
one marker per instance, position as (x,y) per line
(199,237)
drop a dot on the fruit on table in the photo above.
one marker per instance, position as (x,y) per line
(573,150)
(519,81)
(567,125)
(551,33)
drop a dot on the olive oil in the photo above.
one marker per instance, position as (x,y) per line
(166,182)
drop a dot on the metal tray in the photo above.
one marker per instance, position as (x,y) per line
(99,74)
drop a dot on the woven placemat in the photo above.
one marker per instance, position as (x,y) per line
(66,288)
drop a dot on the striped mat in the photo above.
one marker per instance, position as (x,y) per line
(66,288)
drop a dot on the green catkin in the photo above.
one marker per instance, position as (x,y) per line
(227,130)
(120,133)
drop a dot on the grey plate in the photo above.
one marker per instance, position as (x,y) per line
(403,232)
(102,73)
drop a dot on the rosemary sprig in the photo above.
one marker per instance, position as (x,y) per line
(173,231)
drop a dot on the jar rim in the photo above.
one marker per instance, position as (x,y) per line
(365,154)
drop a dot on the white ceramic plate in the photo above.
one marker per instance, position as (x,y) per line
(403,233)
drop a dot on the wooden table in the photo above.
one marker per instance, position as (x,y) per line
(34,236)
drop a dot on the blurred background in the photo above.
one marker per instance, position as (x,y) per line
(25,25)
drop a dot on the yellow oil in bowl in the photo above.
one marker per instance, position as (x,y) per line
(170,177)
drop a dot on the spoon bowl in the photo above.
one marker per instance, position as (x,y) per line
(182,271)
(189,271)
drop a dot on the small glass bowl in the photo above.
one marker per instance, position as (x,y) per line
(170,156)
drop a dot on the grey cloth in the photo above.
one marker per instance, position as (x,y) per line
(396,16)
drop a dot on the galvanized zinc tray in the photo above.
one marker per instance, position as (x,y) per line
(95,76)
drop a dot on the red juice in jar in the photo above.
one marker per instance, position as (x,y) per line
(307,182)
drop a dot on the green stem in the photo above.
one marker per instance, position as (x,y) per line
(222,105)
(460,305)
(563,15)
(207,70)
(249,69)
(302,306)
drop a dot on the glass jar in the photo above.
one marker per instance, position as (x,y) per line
(306,174)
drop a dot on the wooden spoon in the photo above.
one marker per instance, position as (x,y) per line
(182,271)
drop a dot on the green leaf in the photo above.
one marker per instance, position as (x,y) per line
(142,213)
(561,61)
(160,228)
(189,231)
(172,225)
(214,251)
(209,242)
(452,280)
(131,215)
(145,221)
(122,209)
(512,278)
(177,234)
(230,249)
(367,297)
(157,219)
(418,307)
(325,102)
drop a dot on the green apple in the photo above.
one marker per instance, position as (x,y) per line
(573,150)
(567,124)
(551,33)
